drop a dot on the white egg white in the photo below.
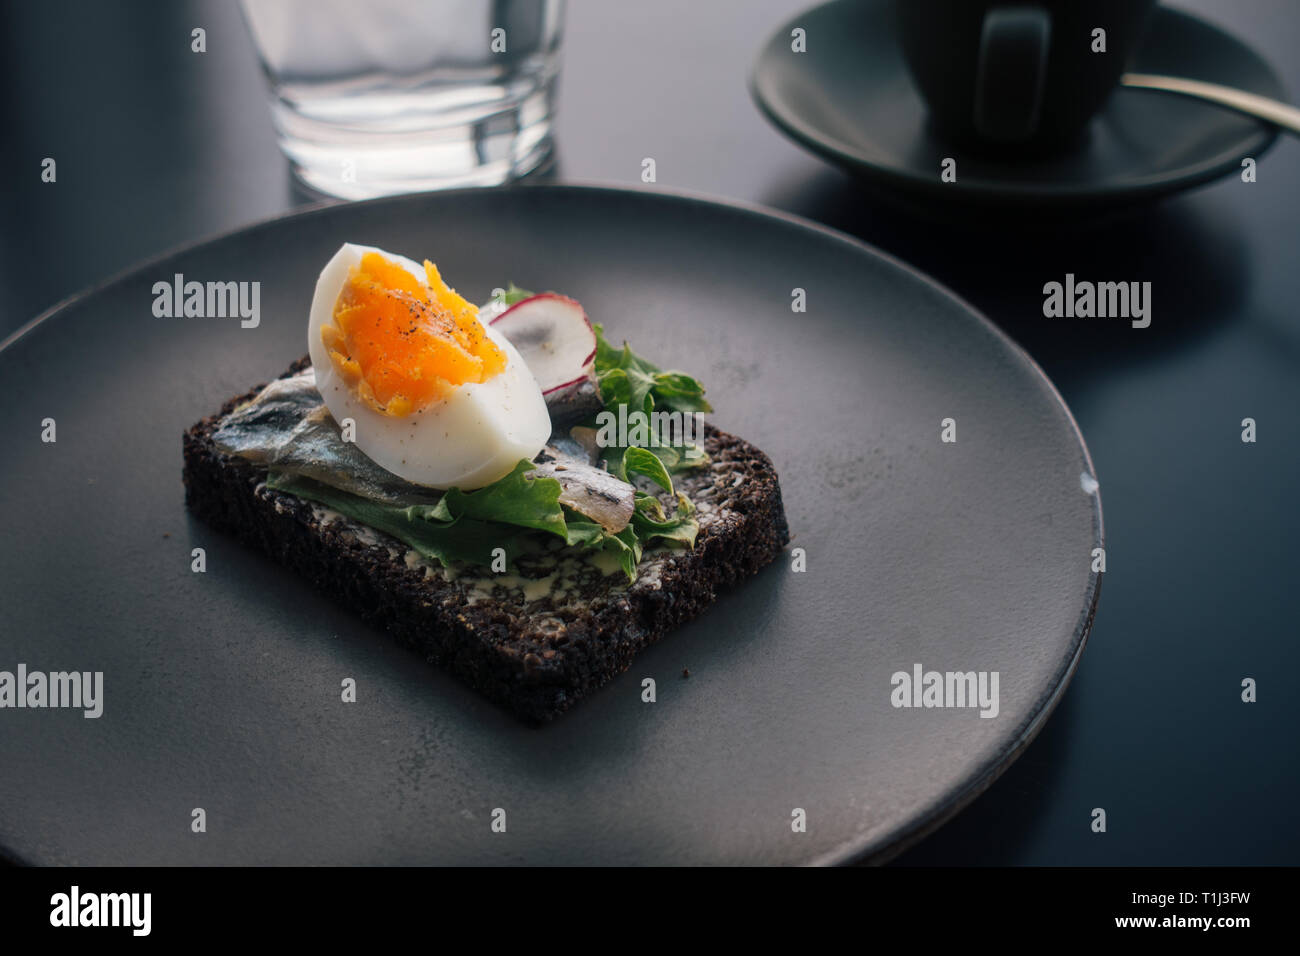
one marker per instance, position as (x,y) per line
(469,439)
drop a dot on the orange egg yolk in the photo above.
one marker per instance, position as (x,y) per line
(401,344)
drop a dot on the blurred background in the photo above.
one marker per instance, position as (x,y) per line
(157,146)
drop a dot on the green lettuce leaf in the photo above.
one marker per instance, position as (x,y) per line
(466,540)
(642,461)
(633,378)
(651,523)
(515,499)
(626,378)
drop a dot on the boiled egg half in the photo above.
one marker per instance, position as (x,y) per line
(437,397)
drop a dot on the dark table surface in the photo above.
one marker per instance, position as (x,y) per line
(157,146)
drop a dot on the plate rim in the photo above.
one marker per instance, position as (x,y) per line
(850,851)
(1021,194)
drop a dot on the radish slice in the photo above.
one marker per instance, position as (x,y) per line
(553,337)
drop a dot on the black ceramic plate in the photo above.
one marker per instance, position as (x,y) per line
(222,689)
(849,98)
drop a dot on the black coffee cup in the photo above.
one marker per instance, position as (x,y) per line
(1018,73)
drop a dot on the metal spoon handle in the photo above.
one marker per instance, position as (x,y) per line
(1261,107)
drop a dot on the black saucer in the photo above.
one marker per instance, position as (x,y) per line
(850,99)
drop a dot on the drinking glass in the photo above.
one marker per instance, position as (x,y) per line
(371,97)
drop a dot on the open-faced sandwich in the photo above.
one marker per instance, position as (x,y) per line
(501,488)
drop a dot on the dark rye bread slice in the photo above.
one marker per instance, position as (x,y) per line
(532,646)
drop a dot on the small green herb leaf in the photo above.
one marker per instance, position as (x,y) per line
(641,461)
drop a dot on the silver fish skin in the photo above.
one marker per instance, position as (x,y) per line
(574,403)
(255,429)
(287,428)
(588,489)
